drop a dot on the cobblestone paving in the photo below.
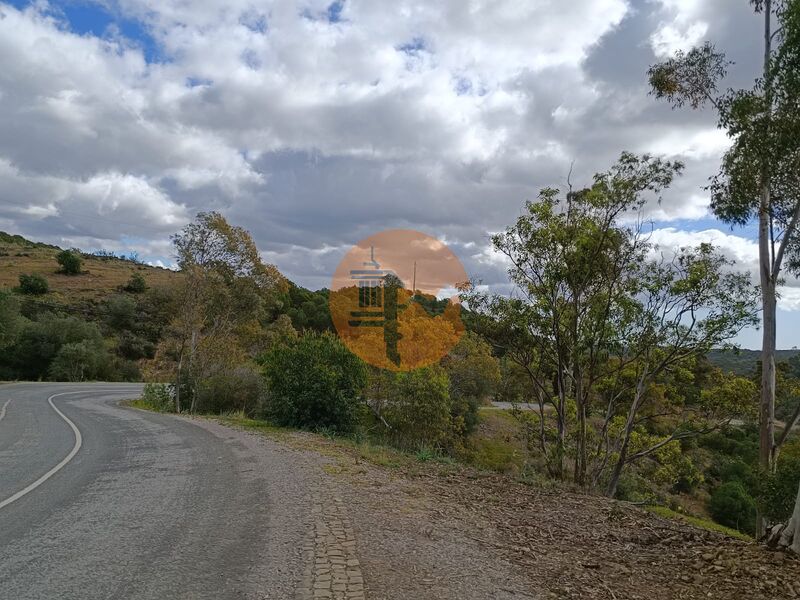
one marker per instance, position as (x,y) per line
(332,570)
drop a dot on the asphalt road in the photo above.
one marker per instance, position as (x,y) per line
(99,500)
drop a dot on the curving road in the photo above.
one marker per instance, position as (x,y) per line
(103,501)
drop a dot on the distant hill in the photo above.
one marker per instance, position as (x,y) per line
(743,362)
(103,274)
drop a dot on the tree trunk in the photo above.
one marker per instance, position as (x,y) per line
(192,390)
(623,452)
(769,306)
(630,423)
(580,402)
(178,384)
(768,281)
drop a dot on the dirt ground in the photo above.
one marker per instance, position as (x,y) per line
(426,530)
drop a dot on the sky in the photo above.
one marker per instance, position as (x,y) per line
(314,124)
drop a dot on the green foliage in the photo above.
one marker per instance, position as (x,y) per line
(474,372)
(11,321)
(731,505)
(134,347)
(599,323)
(158,396)
(778,491)
(737,442)
(240,389)
(40,341)
(308,310)
(120,312)
(136,284)
(220,304)
(314,381)
(34,285)
(667,513)
(418,410)
(86,360)
(70,261)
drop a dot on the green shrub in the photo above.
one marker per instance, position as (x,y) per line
(418,409)
(70,261)
(136,284)
(34,285)
(158,396)
(732,506)
(40,341)
(778,491)
(133,347)
(86,360)
(11,321)
(314,381)
(473,371)
(238,390)
(120,312)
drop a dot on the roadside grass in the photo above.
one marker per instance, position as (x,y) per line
(143,404)
(699,522)
(496,444)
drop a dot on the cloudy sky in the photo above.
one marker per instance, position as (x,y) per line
(315,124)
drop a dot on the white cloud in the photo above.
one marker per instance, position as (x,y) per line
(697,145)
(440,116)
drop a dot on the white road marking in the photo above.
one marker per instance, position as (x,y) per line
(59,466)
(3,410)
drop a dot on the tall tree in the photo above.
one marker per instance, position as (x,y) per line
(759,178)
(593,306)
(224,287)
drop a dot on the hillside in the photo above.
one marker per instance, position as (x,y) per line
(743,362)
(102,275)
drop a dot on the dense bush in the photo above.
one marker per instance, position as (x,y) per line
(133,347)
(34,285)
(474,375)
(136,284)
(239,390)
(86,360)
(11,321)
(732,506)
(474,372)
(314,381)
(39,342)
(70,261)
(120,312)
(778,491)
(417,409)
(159,396)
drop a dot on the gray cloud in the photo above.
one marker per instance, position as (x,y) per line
(443,117)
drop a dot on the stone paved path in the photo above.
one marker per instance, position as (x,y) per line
(333,570)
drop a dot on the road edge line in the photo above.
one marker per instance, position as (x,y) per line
(78,443)
(3,410)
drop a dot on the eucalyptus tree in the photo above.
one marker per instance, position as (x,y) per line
(759,178)
(593,305)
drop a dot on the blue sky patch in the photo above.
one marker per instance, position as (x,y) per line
(335,11)
(90,18)
(414,47)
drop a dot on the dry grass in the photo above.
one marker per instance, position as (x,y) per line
(101,277)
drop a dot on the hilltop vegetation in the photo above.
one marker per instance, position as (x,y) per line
(103,274)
